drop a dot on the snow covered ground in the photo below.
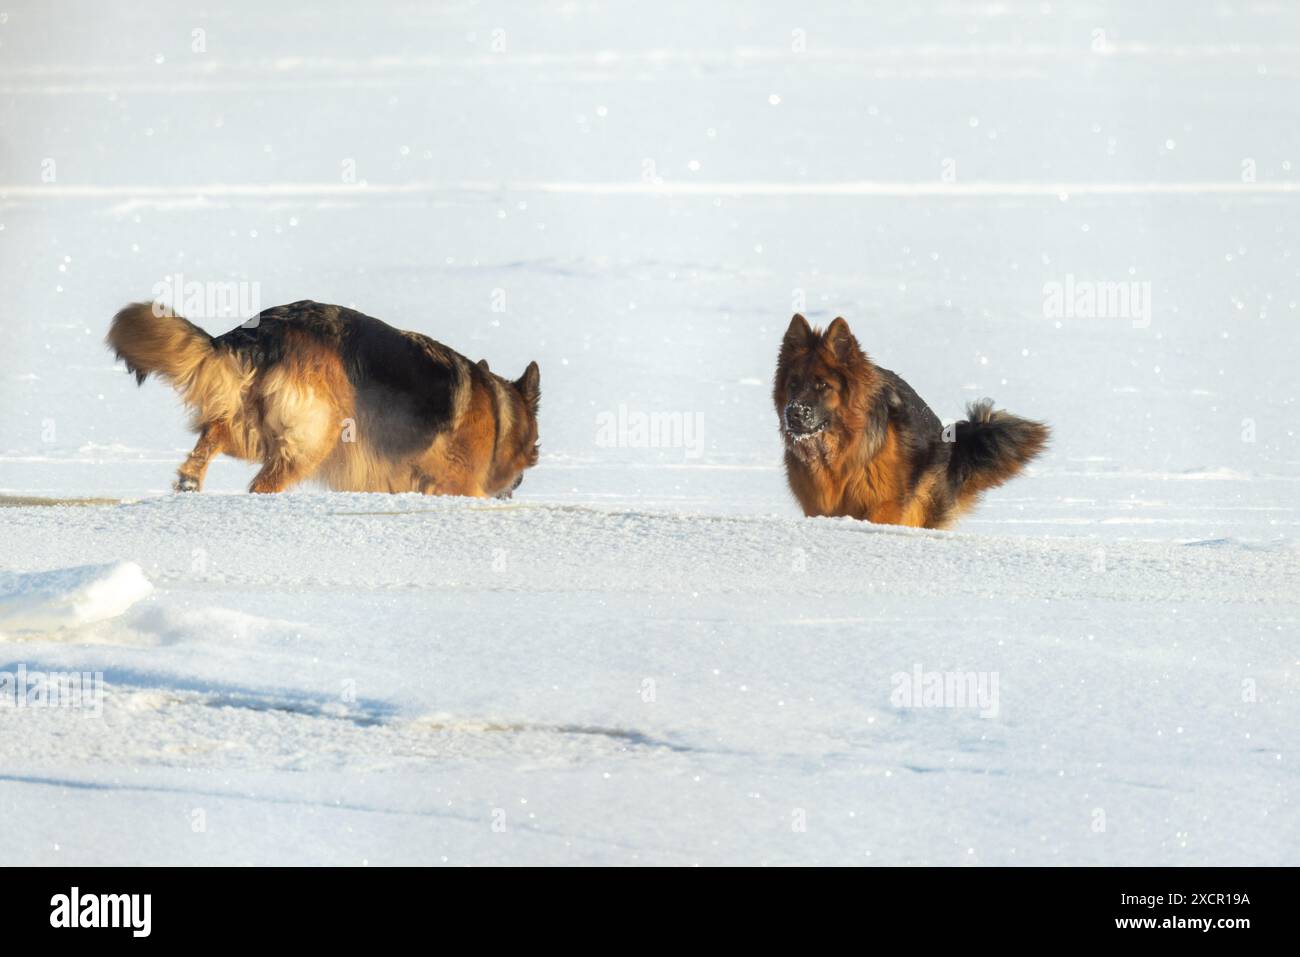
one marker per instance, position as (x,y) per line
(649,656)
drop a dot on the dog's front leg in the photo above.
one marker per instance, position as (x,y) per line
(451,482)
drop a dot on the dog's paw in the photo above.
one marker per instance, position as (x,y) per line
(185,483)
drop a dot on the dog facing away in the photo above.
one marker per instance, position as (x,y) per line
(325,393)
(860,442)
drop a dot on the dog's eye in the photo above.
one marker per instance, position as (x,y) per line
(820,385)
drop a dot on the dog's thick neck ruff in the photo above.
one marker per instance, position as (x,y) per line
(814,449)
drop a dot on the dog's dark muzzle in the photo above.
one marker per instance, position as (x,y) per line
(509,493)
(801,419)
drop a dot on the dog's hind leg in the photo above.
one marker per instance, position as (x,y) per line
(275,476)
(292,457)
(212,442)
(287,465)
(293,453)
(300,423)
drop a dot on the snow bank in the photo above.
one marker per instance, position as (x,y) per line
(33,604)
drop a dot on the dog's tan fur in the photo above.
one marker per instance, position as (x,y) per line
(300,416)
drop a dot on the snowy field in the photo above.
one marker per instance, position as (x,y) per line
(649,656)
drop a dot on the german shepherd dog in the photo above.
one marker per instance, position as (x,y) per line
(321,392)
(860,442)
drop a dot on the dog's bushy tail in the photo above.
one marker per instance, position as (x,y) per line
(991,446)
(153,340)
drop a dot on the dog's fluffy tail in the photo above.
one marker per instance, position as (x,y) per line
(153,340)
(991,446)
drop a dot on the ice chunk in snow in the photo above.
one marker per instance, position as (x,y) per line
(68,597)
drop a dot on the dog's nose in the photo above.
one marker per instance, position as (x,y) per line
(798,416)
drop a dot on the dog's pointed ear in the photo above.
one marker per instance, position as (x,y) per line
(799,331)
(839,339)
(482,364)
(530,385)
